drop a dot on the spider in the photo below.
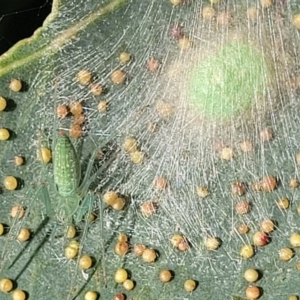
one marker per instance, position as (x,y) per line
(74,197)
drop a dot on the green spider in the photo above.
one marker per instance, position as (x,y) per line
(74,199)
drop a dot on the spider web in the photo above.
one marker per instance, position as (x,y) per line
(14,15)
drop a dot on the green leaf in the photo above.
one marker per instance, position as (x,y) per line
(172,106)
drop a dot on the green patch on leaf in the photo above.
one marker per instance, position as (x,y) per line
(230,82)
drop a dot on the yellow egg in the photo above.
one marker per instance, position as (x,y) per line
(3,103)
(10,183)
(121,275)
(15,85)
(18,295)
(44,155)
(6,285)
(4,134)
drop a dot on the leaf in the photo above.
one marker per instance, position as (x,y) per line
(183,145)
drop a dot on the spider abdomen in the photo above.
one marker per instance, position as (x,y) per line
(66,167)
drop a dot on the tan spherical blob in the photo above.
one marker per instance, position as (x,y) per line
(164,109)
(103,106)
(61,111)
(128,285)
(189,285)
(260,239)
(118,77)
(238,188)
(130,145)
(76,108)
(212,243)
(79,119)
(15,85)
(293,183)
(122,237)
(91,295)
(148,208)
(85,262)
(96,89)
(149,255)
(267,226)
(71,232)
(91,218)
(110,197)
(295,240)
(18,161)
(4,134)
(243,228)
(10,183)
(74,244)
(17,211)
(242,207)
(176,240)
(121,275)
(71,252)
(6,285)
(75,131)
(1,229)
(118,204)
(296,21)
(202,191)
(226,153)
(3,103)
(84,77)
(176,2)
(124,57)
(137,157)
(138,249)
(268,183)
(252,292)
(165,276)
(183,245)
(208,13)
(23,235)
(251,275)
(247,251)
(286,254)
(18,295)
(256,186)
(44,155)
(283,203)
(121,248)
(160,183)
(119,296)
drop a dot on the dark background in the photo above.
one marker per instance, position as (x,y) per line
(19,19)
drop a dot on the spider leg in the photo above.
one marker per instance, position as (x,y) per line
(85,207)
